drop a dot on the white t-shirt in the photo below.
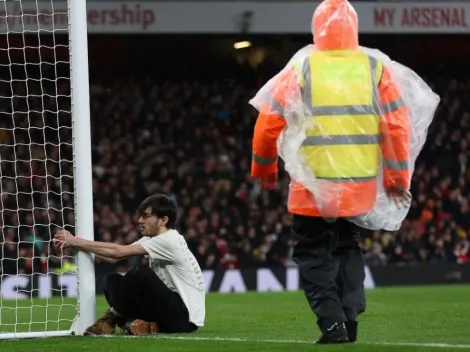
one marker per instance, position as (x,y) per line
(173,262)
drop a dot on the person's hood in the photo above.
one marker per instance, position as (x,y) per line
(335,26)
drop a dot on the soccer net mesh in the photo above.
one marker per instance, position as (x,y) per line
(38,283)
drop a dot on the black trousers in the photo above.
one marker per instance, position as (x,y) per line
(140,294)
(331,268)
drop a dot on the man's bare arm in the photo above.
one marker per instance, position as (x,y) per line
(108,250)
(108,260)
(103,249)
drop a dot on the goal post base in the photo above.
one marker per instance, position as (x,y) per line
(32,335)
(77,328)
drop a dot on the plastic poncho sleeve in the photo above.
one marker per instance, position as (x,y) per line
(269,126)
(395,133)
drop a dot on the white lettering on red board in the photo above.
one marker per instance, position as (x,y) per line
(421,17)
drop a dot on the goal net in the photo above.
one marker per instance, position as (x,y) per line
(40,287)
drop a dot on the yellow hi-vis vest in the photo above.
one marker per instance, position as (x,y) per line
(340,96)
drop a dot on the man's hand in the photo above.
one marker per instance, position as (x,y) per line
(401,197)
(63,238)
(269,182)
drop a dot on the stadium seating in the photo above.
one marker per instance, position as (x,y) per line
(192,140)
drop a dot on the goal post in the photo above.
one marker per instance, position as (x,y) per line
(45,169)
(80,94)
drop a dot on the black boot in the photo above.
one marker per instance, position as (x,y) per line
(351,327)
(336,333)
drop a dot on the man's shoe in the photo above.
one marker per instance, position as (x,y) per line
(334,334)
(106,325)
(351,327)
(141,327)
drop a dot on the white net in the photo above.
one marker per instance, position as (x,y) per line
(38,287)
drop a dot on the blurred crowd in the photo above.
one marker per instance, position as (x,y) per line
(192,140)
(437,228)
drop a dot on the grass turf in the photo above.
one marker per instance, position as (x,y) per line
(405,319)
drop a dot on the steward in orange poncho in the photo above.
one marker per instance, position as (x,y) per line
(359,137)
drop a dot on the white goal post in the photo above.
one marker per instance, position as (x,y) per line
(45,169)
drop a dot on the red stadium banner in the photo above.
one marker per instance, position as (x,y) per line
(108,17)
(406,18)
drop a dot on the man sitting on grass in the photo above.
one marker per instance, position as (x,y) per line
(166,296)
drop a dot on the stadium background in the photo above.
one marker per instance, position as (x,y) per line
(170,114)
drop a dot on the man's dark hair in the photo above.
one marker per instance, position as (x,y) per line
(161,205)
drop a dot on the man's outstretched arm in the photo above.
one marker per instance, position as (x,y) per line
(103,249)
(105,259)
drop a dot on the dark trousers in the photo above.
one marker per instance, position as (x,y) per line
(140,294)
(331,268)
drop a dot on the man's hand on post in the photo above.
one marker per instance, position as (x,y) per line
(63,239)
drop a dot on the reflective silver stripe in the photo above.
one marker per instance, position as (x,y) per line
(393,105)
(342,110)
(396,164)
(375,85)
(275,106)
(263,161)
(341,140)
(348,179)
(307,90)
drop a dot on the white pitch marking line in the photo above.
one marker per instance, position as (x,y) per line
(239,339)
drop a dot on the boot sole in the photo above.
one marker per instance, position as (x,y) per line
(331,342)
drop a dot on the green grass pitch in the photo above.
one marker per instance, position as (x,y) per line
(397,319)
